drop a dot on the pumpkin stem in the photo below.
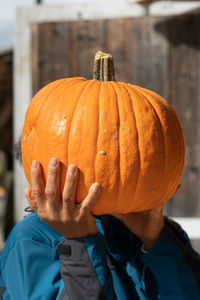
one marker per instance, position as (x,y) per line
(104,69)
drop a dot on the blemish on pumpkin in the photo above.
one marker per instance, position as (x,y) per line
(152,191)
(169,138)
(61,127)
(102,152)
(116,126)
(105,130)
(122,129)
(25,137)
(115,136)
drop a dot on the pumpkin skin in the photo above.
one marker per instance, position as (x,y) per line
(123,136)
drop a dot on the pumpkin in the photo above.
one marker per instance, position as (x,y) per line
(123,136)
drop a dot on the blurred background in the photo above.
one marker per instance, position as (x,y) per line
(155,44)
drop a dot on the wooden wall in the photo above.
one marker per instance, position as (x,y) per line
(6,144)
(161,54)
(6,93)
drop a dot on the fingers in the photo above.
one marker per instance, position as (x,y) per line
(31,201)
(37,183)
(39,197)
(92,197)
(27,193)
(52,189)
(69,190)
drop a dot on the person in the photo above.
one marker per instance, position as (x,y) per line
(62,251)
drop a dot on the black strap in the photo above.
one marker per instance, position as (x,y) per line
(28,209)
(65,250)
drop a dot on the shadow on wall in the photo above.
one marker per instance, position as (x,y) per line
(182,32)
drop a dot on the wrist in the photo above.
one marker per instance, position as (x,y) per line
(148,243)
(79,235)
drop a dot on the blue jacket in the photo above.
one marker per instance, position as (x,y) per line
(37,264)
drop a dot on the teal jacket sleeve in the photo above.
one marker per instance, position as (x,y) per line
(175,265)
(30,270)
(31,267)
(30,263)
(33,271)
(85,270)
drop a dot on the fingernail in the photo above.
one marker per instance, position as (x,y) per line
(71,170)
(53,163)
(34,164)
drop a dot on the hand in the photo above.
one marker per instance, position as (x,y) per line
(147,225)
(63,214)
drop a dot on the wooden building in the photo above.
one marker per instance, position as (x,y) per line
(156,46)
(6,143)
(6,93)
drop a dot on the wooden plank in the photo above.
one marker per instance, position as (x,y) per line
(185,98)
(118,42)
(150,62)
(6,94)
(52,61)
(34,58)
(86,39)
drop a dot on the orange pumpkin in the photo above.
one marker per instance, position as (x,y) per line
(123,136)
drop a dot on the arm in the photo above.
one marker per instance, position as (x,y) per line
(170,257)
(83,256)
(31,271)
(30,264)
(175,265)
(84,269)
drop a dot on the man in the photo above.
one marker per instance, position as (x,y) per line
(61,251)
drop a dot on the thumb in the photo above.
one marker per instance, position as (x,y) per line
(92,197)
(31,201)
